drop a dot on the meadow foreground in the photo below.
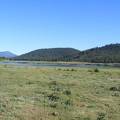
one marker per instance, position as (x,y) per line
(28,93)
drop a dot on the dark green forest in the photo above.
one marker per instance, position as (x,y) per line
(106,54)
(52,54)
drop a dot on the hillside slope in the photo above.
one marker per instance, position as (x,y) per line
(52,54)
(106,54)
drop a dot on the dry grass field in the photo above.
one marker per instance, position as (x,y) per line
(28,93)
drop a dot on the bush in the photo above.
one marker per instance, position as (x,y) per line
(53,97)
(68,102)
(53,105)
(96,70)
(55,114)
(101,116)
(115,88)
(73,69)
(67,92)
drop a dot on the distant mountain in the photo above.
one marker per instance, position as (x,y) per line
(52,54)
(106,54)
(7,54)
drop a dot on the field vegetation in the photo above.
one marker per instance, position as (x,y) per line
(29,93)
(3,59)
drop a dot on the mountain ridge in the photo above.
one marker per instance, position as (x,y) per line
(50,54)
(7,54)
(105,54)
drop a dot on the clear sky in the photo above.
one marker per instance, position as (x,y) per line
(27,25)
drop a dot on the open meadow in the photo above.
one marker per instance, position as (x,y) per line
(29,93)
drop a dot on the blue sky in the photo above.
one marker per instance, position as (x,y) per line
(27,25)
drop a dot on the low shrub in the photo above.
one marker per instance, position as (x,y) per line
(96,70)
(53,97)
(115,88)
(68,102)
(53,104)
(101,116)
(67,92)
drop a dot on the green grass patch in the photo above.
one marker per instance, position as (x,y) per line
(59,93)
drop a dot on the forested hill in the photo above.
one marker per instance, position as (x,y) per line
(106,54)
(52,54)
